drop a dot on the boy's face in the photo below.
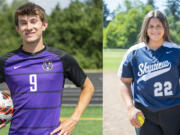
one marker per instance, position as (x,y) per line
(30,27)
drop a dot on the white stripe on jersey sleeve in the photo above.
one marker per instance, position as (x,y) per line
(134,47)
(170,45)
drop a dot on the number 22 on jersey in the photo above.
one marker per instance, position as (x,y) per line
(163,89)
(33,82)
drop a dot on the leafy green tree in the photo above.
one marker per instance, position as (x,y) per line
(173,7)
(173,14)
(151,2)
(2,3)
(128,5)
(106,14)
(78,30)
(124,29)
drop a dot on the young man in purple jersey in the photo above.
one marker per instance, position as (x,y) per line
(35,75)
(149,76)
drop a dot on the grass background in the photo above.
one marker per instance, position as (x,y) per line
(112,59)
(84,127)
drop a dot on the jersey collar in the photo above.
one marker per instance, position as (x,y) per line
(32,54)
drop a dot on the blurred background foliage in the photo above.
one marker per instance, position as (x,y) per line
(122,30)
(76,29)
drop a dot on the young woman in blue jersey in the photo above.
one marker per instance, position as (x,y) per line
(35,75)
(149,77)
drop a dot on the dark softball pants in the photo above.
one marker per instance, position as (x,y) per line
(165,122)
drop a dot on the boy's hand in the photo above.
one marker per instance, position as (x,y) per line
(2,125)
(66,127)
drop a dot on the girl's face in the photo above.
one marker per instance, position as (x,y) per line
(155,30)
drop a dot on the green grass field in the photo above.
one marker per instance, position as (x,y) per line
(85,126)
(112,59)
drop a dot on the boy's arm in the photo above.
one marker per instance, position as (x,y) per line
(67,126)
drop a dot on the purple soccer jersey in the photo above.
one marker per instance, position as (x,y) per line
(36,83)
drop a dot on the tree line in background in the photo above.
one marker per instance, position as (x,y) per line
(76,29)
(123,30)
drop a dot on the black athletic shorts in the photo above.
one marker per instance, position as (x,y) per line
(165,122)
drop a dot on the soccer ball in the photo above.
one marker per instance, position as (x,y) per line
(6,107)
